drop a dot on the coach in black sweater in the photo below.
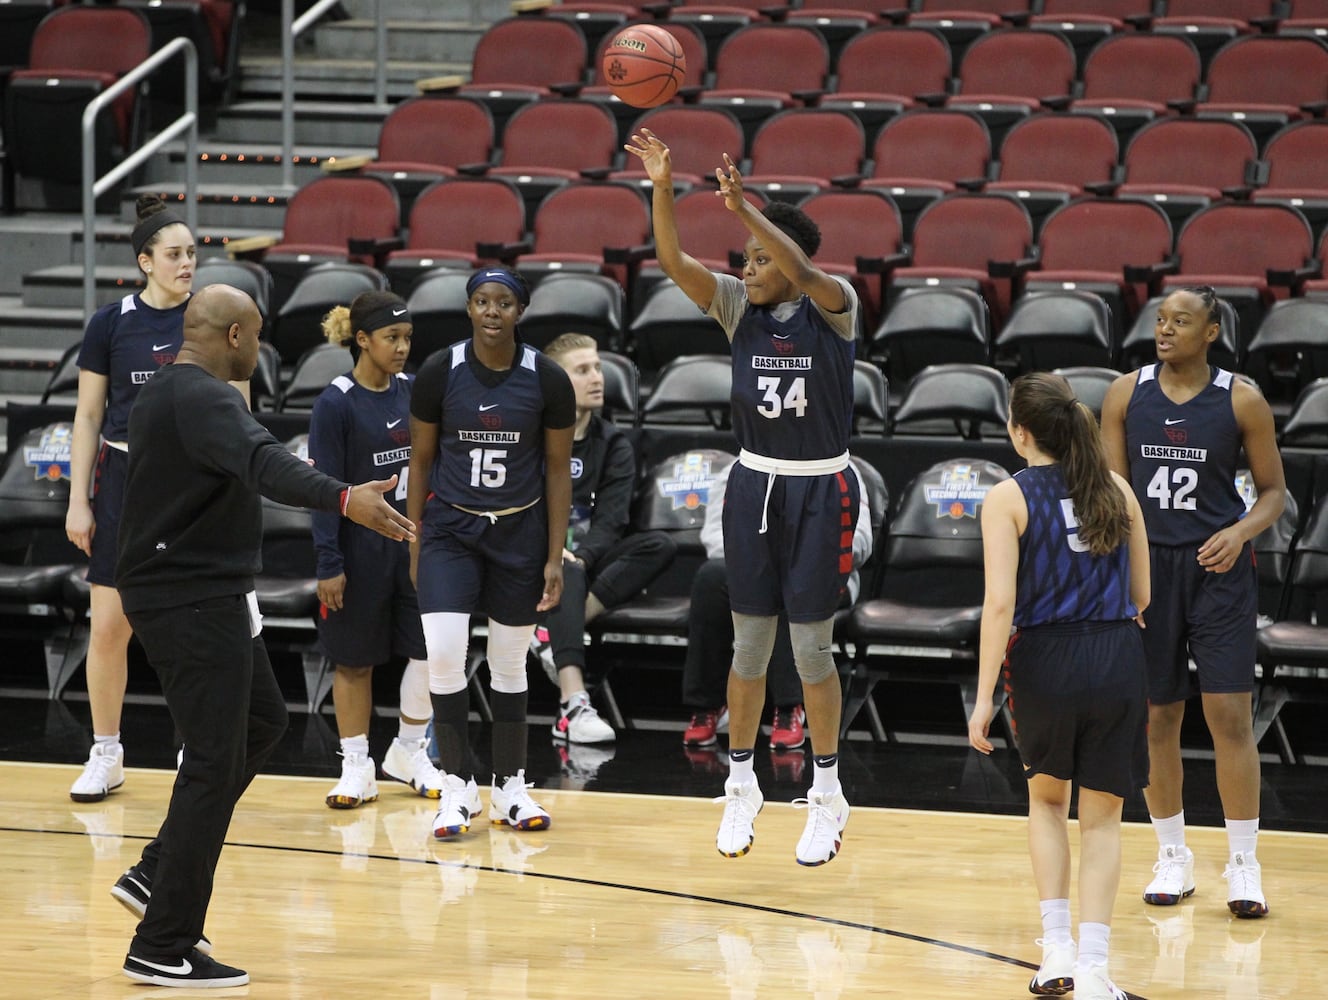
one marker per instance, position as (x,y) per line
(189,549)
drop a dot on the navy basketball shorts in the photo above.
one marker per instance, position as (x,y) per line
(802,563)
(468,564)
(108,488)
(1079,698)
(379,614)
(1208,617)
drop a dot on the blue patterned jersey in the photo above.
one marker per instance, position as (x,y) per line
(1183,459)
(1059,580)
(127,341)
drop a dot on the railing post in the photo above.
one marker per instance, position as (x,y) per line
(287,93)
(380,64)
(94,186)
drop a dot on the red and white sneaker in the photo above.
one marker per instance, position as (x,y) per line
(788,732)
(705,725)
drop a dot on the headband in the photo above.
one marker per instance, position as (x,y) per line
(386,314)
(503,277)
(150,226)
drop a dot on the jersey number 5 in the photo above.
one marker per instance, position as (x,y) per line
(1172,488)
(772,404)
(487,468)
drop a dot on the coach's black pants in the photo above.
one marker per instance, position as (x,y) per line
(228,708)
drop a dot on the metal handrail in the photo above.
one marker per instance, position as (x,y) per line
(291,29)
(94,186)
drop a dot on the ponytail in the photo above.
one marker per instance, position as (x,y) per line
(1066,430)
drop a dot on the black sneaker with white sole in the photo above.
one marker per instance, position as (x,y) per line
(194,971)
(133,889)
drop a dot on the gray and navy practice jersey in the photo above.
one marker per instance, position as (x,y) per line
(1183,459)
(127,341)
(358,435)
(491,425)
(792,374)
(1059,580)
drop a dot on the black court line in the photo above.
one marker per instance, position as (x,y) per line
(598,883)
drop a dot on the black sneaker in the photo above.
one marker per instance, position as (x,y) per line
(133,889)
(195,970)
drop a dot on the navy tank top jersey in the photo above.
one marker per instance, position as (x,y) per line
(1059,580)
(1183,459)
(127,341)
(792,385)
(491,438)
(358,435)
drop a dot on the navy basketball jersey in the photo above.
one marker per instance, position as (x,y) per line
(1059,580)
(127,341)
(491,438)
(1183,459)
(792,385)
(358,435)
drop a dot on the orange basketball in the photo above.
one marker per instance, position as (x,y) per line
(644,65)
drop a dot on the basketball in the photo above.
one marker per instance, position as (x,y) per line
(644,65)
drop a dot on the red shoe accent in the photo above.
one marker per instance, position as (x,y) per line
(788,733)
(702,731)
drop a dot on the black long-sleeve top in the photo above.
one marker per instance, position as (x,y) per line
(198,462)
(602,485)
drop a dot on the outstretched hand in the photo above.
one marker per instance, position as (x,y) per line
(366,506)
(730,184)
(653,154)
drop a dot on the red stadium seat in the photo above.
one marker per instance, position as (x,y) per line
(428,138)
(973,241)
(1114,87)
(922,155)
(1185,164)
(548,144)
(576,226)
(1007,75)
(450,220)
(800,151)
(523,59)
(697,139)
(1115,247)
(322,218)
(884,71)
(862,239)
(765,68)
(76,53)
(1048,159)
(1252,255)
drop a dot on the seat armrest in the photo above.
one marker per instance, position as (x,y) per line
(250,246)
(345,164)
(439,84)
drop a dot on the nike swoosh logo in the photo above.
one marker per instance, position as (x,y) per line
(399,312)
(1170,422)
(784,336)
(162,347)
(393,423)
(489,406)
(183,969)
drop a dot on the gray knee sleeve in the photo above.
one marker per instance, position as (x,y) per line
(813,649)
(753,642)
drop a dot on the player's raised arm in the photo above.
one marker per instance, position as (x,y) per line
(696,281)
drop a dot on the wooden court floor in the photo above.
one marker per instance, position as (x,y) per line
(624,897)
